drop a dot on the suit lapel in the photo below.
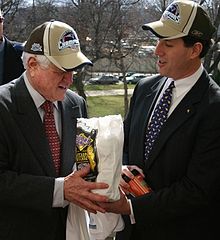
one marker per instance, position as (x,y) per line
(142,103)
(151,97)
(70,113)
(28,119)
(185,110)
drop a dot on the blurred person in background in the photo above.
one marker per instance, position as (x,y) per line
(11,65)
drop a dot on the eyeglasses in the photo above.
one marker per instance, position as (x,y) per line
(1,19)
(78,69)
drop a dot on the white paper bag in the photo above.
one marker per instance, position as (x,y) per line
(77,225)
(109,148)
(109,145)
(102,225)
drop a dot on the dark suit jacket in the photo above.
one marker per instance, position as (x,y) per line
(27,172)
(183,168)
(13,66)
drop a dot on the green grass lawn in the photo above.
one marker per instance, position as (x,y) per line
(91,87)
(106,87)
(100,106)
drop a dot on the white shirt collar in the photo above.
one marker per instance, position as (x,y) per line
(185,84)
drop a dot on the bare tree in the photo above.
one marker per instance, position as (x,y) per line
(103,27)
(10,9)
(107,29)
(212,59)
(93,21)
(23,16)
(126,32)
(99,25)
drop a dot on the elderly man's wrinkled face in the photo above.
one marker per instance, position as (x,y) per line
(51,82)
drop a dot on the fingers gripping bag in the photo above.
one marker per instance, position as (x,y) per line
(99,143)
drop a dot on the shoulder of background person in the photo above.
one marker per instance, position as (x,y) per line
(18,46)
(75,101)
(73,96)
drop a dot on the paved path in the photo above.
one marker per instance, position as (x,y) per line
(107,92)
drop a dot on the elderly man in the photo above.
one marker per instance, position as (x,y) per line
(37,139)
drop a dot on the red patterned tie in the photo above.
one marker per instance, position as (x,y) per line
(51,132)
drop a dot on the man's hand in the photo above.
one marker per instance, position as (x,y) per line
(78,191)
(121,206)
(126,169)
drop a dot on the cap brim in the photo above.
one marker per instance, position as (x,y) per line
(162,30)
(70,62)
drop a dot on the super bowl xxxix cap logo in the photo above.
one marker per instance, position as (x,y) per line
(172,13)
(68,40)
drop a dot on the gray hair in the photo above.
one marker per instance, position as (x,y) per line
(41,59)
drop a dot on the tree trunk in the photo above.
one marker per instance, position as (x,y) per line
(78,81)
